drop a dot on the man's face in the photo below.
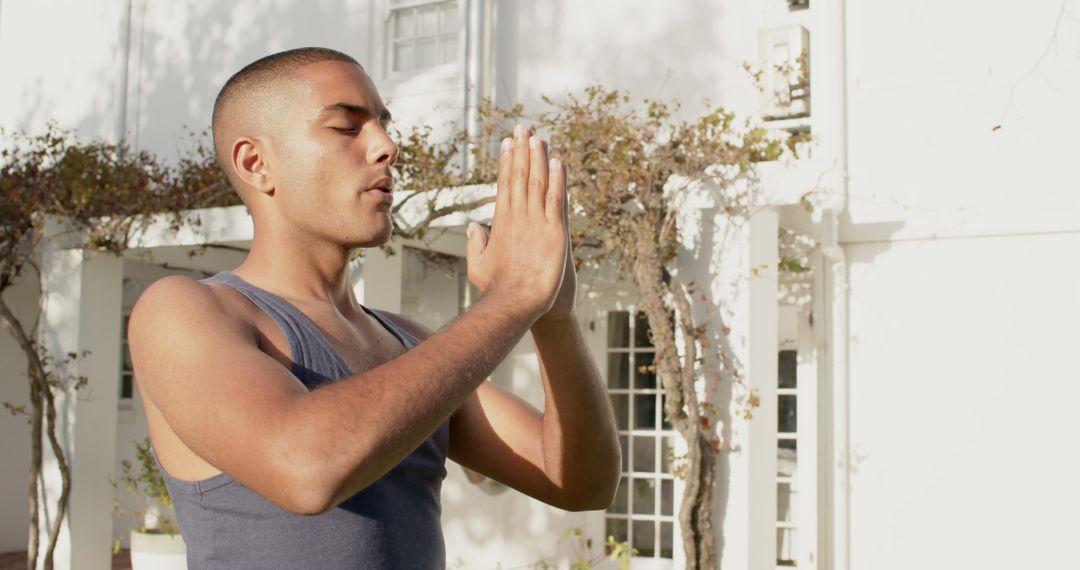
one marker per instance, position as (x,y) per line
(330,150)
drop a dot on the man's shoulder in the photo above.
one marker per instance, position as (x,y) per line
(181,301)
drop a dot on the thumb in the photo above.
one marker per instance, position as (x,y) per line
(477,242)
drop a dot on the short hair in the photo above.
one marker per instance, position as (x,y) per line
(268,71)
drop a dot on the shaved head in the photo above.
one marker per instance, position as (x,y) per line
(243,104)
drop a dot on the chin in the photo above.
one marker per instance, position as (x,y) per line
(374,237)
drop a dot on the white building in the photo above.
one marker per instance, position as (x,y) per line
(934,382)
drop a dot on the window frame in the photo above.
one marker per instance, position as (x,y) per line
(661,433)
(389,41)
(796,334)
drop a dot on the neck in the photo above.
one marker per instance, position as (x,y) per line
(299,269)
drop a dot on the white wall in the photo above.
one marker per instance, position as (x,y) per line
(963,396)
(926,93)
(62,60)
(962,381)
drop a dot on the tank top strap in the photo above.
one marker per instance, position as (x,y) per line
(314,359)
(406,338)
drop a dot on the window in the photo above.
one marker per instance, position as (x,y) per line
(787,551)
(785,65)
(422,34)
(644,508)
(127,375)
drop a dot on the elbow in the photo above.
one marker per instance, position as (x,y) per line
(307,503)
(600,493)
(305,479)
(594,500)
(318,490)
(303,486)
(597,503)
(306,495)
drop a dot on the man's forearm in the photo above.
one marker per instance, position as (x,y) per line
(357,429)
(581,449)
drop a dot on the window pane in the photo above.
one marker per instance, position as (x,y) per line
(425,53)
(127,386)
(667,539)
(787,547)
(126,364)
(667,497)
(403,56)
(645,411)
(787,421)
(641,331)
(786,457)
(404,24)
(644,371)
(644,538)
(624,445)
(621,404)
(667,451)
(618,329)
(429,21)
(788,368)
(618,370)
(616,528)
(644,496)
(786,503)
(449,18)
(620,504)
(448,49)
(644,453)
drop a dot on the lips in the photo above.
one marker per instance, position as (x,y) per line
(382,189)
(381,195)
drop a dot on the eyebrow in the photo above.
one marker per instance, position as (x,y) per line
(384,114)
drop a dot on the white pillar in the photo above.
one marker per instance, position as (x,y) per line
(736,261)
(761,324)
(82,312)
(382,279)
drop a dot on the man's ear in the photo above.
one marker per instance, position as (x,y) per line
(249,163)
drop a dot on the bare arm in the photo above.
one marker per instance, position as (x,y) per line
(568,456)
(244,413)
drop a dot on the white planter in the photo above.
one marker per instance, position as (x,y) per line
(157,551)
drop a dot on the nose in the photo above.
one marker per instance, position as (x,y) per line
(381,148)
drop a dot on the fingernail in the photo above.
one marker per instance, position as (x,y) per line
(519,131)
(469,231)
(533,141)
(507,144)
(553,164)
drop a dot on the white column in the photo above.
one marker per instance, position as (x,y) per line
(382,279)
(82,312)
(761,325)
(737,262)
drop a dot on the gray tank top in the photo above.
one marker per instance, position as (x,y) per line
(392,524)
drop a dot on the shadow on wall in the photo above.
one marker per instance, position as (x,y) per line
(562,50)
(56,83)
(189,49)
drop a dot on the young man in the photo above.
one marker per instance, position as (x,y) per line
(298,429)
